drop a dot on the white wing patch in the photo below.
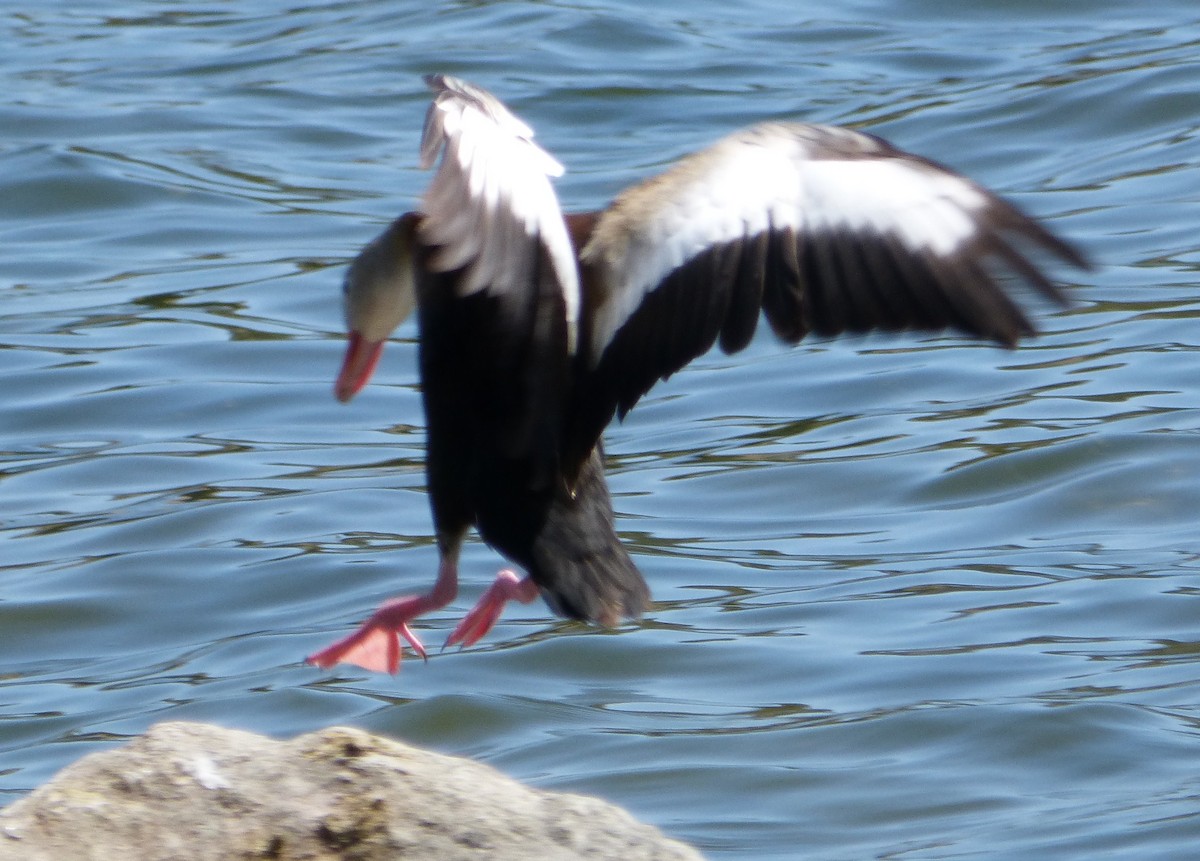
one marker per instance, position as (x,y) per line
(491,202)
(809,179)
(927,211)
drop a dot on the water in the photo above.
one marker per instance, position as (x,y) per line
(916,598)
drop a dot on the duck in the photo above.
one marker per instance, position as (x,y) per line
(537,327)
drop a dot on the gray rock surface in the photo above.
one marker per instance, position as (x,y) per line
(191,792)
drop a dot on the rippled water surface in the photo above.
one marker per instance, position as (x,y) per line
(915,597)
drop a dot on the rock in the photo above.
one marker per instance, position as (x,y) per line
(191,792)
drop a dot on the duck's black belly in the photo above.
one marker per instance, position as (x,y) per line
(493,407)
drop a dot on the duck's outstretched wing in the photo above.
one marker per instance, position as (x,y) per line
(491,211)
(501,269)
(822,229)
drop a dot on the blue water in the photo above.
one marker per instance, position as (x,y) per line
(916,598)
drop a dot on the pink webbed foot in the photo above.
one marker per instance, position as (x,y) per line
(506,587)
(375,646)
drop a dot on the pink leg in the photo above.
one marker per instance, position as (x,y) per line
(375,646)
(506,587)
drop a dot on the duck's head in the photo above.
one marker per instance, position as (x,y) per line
(378,295)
